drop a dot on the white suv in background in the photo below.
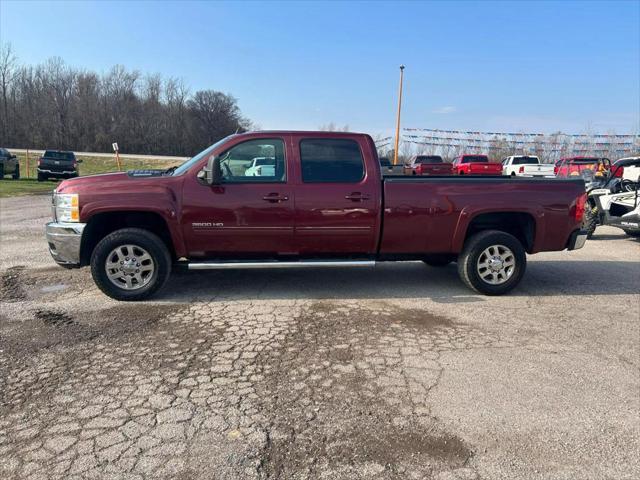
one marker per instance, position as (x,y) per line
(526,166)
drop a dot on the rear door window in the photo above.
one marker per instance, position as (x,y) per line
(525,161)
(330,160)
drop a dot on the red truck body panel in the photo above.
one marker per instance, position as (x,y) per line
(388,217)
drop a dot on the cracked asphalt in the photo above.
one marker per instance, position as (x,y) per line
(394,373)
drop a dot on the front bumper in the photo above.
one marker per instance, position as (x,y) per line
(64,241)
(577,240)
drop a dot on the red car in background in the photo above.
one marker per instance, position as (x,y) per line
(428,165)
(475,165)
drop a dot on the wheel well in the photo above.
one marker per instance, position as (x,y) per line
(102,224)
(520,225)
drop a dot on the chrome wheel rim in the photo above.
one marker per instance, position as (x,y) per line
(496,264)
(129,267)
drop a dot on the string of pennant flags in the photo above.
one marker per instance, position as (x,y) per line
(521,134)
(493,147)
(578,143)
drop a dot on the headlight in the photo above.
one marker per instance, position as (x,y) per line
(67,207)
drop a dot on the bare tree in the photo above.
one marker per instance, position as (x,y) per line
(53,105)
(8,62)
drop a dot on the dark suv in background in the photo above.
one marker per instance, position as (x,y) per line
(57,164)
(9,164)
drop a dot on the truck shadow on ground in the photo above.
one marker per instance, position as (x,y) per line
(400,280)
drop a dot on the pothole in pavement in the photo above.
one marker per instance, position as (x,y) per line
(11,285)
(56,319)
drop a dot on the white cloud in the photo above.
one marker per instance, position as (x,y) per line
(445,109)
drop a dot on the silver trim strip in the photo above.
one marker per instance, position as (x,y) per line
(271,264)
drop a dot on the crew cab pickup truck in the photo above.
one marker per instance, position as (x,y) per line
(326,205)
(475,165)
(427,165)
(57,164)
(526,166)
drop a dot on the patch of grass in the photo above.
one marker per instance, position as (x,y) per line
(93,165)
(24,186)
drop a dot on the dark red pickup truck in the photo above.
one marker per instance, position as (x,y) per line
(320,203)
(428,165)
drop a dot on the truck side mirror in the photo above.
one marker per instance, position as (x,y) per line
(212,173)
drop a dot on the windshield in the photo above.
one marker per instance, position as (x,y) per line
(475,159)
(193,160)
(59,155)
(526,161)
(428,159)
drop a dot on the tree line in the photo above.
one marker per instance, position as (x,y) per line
(55,106)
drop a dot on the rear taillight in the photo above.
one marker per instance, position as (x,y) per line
(39,161)
(521,170)
(578,210)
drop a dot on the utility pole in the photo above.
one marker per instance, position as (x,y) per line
(395,150)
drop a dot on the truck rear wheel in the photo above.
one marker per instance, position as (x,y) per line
(492,262)
(130,264)
(16,173)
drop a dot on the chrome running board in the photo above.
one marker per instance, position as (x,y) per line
(276,264)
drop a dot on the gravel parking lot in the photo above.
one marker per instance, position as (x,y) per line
(399,372)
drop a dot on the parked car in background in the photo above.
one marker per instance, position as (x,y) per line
(9,164)
(261,167)
(385,162)
(475,165)
(328,206)
(526,166)
(57,164)
(428,165)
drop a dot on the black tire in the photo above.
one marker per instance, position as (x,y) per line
(590,220)
(474,248)
(1,171)
(41,177)
(16,174)
(140,238)
(632,233)
(438,260)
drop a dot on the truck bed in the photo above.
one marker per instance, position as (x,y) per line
(432,214)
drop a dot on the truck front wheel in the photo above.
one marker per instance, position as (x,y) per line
(492,262)
(130,264)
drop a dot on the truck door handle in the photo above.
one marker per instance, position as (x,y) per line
(275,198)
(357,197)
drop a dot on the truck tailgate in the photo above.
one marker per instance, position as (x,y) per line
(481,168)
(435,169)
(537,170)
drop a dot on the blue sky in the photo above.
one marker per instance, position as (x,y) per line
(503,66)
